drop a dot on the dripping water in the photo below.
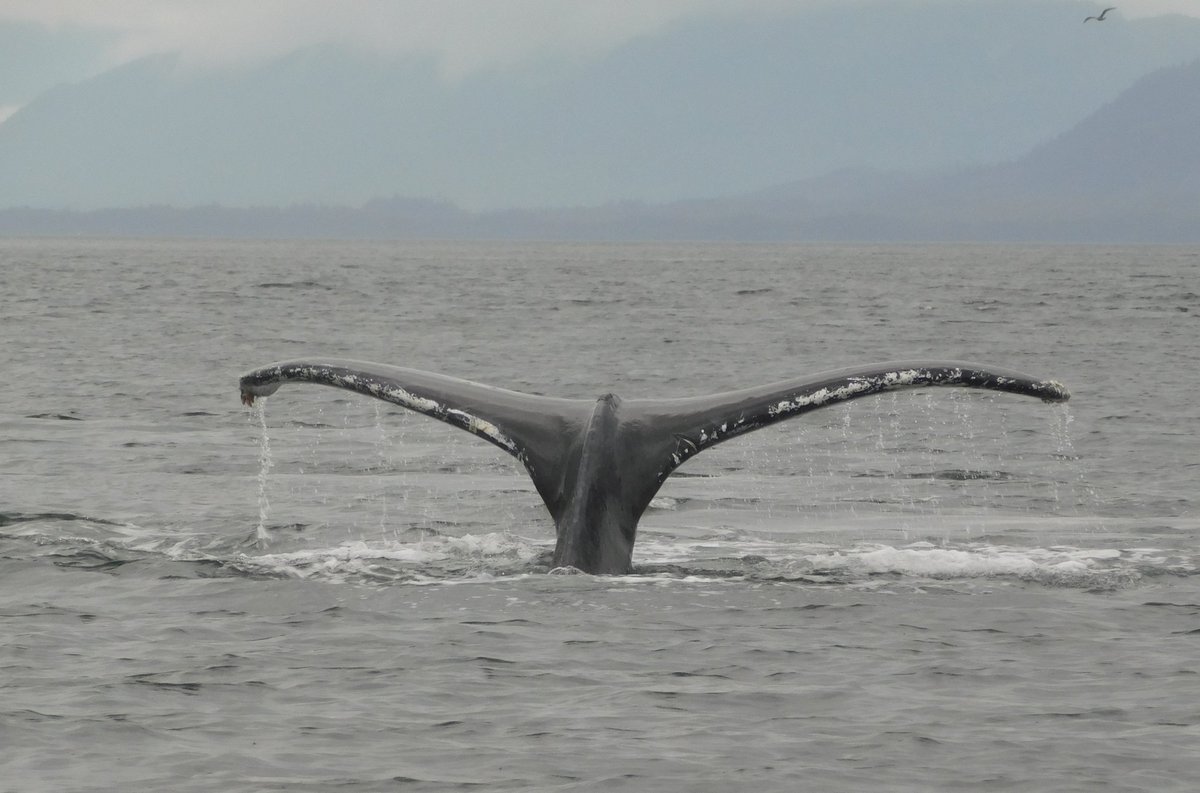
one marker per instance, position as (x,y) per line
(1083,493)
(265,464)
(381,451)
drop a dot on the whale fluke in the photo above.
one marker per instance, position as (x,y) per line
(598,463)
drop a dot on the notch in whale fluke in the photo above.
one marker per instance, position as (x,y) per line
(598,463)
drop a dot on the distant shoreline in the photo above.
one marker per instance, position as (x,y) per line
(698,221)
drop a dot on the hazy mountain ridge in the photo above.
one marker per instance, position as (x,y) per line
(704,107)
(1084,185)
(1130,171)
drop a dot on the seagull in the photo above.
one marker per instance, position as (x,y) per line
(1101,17)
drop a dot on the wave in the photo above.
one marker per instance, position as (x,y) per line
(10,518)
(1058,566)
(309,284)
(443,554)
(486,557)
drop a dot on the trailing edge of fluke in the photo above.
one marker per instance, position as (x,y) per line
(597,463)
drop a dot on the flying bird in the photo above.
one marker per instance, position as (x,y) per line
(1101,17)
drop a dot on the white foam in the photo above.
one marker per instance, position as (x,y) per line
(1056,566)
(372,559)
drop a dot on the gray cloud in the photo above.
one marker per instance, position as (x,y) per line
(462,35)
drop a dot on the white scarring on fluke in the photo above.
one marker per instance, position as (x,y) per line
(485,428)
(887,382)
(391,393)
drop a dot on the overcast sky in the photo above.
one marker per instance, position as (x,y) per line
(75,39)
(656,122)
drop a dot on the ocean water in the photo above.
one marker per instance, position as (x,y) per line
(938,590)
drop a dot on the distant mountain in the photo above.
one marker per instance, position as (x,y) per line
(707,106)
(1142,147)
(1130,172)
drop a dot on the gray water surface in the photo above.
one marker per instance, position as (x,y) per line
(923,591)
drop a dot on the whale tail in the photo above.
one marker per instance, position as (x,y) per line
(597,464)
